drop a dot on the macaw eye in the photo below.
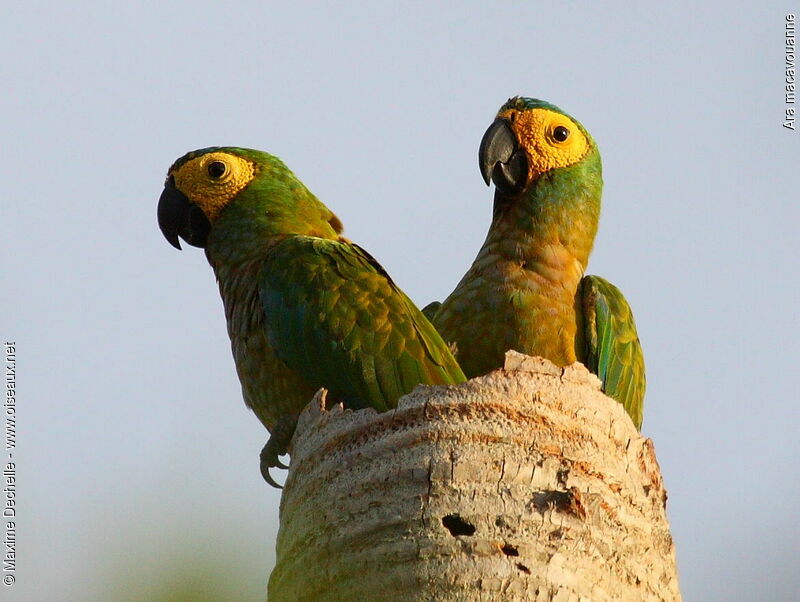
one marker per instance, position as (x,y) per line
(560,133)
(217,169)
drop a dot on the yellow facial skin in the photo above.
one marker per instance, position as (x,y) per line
(212,180)
(538,133)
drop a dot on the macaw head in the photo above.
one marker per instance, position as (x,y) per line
(529,140)
(204,186)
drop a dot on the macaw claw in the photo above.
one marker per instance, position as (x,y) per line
(277,446)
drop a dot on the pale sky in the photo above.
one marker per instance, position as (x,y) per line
(136,456)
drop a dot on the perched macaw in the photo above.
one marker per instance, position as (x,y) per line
(526,289)
(305,307)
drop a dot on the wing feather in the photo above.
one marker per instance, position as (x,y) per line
(613,351)
(333,313)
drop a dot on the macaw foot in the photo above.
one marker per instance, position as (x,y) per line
(277,445)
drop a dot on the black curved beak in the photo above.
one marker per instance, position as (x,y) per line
(178,216)
(501,160)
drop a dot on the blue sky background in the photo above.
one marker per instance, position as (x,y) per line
(137,459)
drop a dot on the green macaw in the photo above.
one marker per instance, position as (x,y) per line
(526,289)
(305,307)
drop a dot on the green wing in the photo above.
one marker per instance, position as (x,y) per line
(334,315)
(613,349)
(430,309)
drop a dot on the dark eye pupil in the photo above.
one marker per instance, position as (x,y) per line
(216,169)
(561,133)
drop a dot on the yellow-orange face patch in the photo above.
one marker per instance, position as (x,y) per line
(210,181)
(549,139)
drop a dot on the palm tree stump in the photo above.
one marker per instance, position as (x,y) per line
(524,484)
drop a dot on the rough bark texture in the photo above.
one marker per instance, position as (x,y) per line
(524,484)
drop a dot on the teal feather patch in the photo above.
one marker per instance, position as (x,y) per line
(613,350)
